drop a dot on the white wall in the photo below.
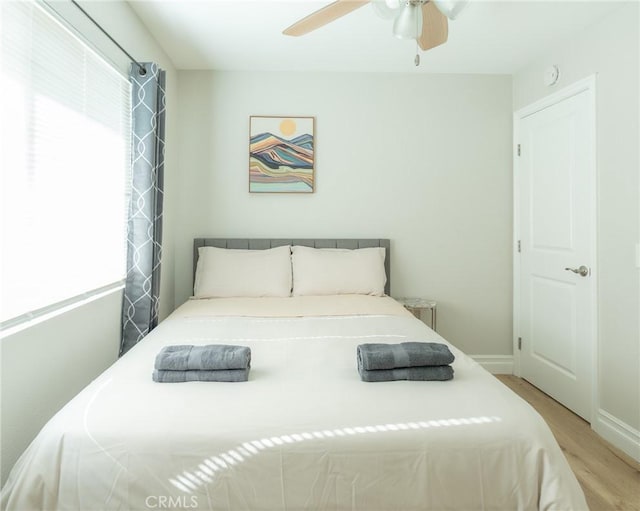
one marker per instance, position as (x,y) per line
(47,364)
(423,160)
(611,50)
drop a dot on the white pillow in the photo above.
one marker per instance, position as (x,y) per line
(331,271)
(223,273)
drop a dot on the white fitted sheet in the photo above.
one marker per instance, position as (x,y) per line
(303,433)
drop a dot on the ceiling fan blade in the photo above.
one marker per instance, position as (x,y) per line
(322,17)
(435,27)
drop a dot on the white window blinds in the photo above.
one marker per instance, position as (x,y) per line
(65,155)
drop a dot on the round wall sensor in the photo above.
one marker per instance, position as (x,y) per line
(551,76)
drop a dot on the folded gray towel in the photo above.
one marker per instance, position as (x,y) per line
(424,373)
(223,375)
(407,354)
(210,357)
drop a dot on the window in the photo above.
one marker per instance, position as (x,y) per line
(65,133)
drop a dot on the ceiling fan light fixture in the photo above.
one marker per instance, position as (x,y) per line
(451,8)
(408,24)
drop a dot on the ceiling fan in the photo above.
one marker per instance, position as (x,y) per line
(422,20)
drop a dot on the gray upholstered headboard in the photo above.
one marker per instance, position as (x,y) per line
(263,243)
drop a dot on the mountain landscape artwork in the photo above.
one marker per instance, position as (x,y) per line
(281,154)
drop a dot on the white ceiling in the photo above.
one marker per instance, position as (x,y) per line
(488,37)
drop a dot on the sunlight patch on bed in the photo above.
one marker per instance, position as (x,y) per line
(205,473)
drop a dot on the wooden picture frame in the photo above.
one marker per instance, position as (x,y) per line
(281,154)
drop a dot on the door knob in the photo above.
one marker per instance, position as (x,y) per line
(583,271)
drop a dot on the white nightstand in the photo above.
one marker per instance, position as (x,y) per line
(417,305)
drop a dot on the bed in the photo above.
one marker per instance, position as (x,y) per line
(304,432)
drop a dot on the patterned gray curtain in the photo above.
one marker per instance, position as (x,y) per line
(144,236)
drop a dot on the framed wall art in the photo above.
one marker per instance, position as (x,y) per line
(281,154)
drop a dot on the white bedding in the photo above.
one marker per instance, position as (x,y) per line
(303,433)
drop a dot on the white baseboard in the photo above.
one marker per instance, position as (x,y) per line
(618,433)
(495,364)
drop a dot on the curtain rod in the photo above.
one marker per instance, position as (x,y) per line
(143,70)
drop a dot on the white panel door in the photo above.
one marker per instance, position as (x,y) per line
(556,177)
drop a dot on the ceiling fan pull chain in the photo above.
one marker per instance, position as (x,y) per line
(416,60)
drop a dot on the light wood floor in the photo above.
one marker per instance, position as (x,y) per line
(610,479)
